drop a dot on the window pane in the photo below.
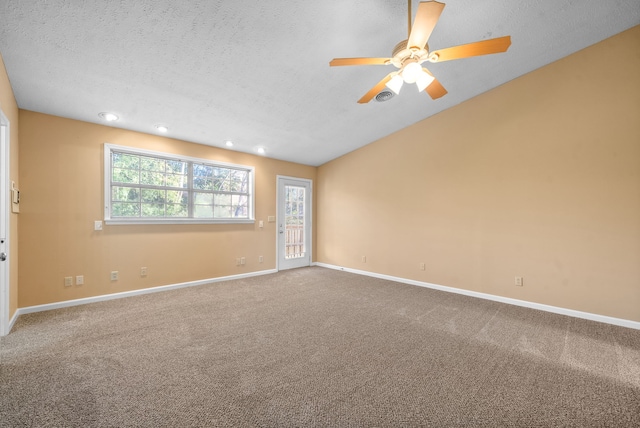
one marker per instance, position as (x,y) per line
(221,179)
(202,177)
(152,178)
(177,180)
(178,197)
(222,211)
(203,211)
(203,198)
(153,210)
(154,196)
(238,181)
(153,164)
(222,199)
(121,209)
(239,206)
(176,167)
(125,194)
(121,175)
(177,210)
(122,160)
(200,183)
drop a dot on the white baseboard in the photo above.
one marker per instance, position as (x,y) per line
(523,303)
(508,300)
(105,297)
(13,320)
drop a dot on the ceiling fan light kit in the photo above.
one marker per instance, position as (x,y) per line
(408,55)
(395,84)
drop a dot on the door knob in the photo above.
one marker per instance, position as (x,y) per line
(3,256)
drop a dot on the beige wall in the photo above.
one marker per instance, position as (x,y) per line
(537,178)
(62,196)
(9,107)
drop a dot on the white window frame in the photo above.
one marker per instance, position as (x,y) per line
(110,148)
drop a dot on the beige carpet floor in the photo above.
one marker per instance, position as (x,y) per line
(315,347)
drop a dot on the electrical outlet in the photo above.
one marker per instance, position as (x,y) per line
(143,271)
(422,266)
(68,281)
(260,259)
(80,280)
(114,275)
(519,281)
(242,261)
(364,259)
(271,219)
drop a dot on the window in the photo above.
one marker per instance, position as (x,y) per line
(143,186)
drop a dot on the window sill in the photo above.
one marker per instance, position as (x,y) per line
(130,221)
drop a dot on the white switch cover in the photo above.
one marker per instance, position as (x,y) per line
(271,219)
(80,280)
(97,225)
(260,223)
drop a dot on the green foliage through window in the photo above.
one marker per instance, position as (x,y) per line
(155,186)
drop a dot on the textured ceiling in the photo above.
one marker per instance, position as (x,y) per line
(257,72)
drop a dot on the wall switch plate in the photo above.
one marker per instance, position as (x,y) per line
(519,281)
(422,266)
(114,275)
(271,219)
(242,261)
(68,281)
(143,271)
(261,223)
(260,259)
(97,225)
(364,259)
(80,280)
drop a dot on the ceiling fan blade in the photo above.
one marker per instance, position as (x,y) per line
(426,19)
(376,89)
(435,89)
(359,61)
(485,47)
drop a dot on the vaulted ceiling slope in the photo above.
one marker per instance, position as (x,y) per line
(257,72)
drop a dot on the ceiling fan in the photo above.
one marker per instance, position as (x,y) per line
(409,54)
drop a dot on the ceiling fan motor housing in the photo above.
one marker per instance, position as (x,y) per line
(402,54)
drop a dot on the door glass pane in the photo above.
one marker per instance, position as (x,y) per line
(295,241)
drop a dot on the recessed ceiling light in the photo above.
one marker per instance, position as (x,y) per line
(228,143)
(162,128)
(109,117)
(261,150)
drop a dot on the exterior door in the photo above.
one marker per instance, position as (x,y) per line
(294,222)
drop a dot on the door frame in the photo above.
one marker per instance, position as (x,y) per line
(310,213)
(5,229)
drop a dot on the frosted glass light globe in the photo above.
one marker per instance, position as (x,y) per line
(411,72)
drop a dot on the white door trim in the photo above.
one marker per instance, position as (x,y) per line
(310,213)
(4,222)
